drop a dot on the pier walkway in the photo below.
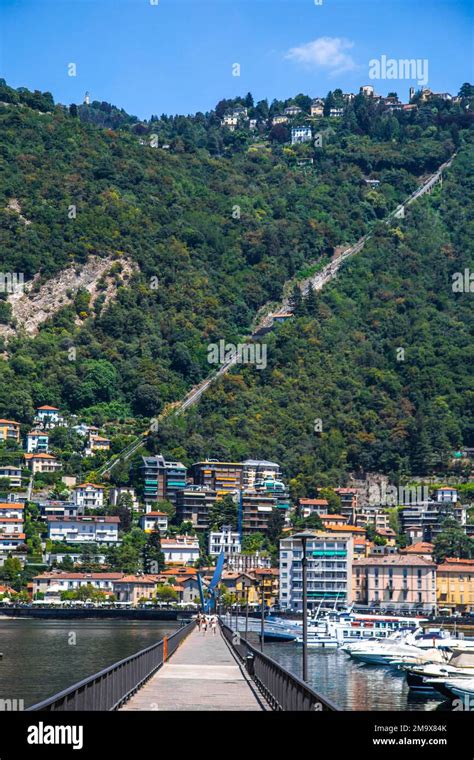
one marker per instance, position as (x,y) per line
(202,674)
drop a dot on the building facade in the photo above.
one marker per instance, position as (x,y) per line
(84,529)
(88,496)
(455,585)
(9,431)
(397,582)
(162,479)
(329,570)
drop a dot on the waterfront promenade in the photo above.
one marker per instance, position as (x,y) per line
(202,674)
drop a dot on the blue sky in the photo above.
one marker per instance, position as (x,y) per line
(177,56)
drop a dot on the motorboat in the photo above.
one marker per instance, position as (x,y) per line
(459,687)
(427,677)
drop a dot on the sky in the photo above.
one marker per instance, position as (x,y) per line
(180,56)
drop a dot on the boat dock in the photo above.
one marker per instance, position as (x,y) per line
(203,674)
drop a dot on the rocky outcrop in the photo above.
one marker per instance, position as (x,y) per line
(34,303)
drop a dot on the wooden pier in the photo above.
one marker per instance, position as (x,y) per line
(203,674)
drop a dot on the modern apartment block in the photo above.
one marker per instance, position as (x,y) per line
(193,504)
(222,477)
(395,581)
(9,431)
(424,521)
(255,470)
(162,479)
(329,570)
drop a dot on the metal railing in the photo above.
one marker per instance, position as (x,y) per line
(281,689)
(112,686)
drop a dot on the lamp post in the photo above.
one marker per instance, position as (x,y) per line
(262,617)
(246,613)
(304,537)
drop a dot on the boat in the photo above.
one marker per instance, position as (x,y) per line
(459,687)
(280,637)
(428,677)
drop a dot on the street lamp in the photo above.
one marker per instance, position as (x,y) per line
(304,536)
(262,618)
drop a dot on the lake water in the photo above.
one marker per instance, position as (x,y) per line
(42,657)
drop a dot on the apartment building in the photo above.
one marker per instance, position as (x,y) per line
(162,479)
(88,496)
(254,470)
(83,529)
(193,505)
(37,442)
(226,540)
(12,473)
(396,581)
(329,570)
(222,477)
(9,431)
(48,417)
(182,550)
(40,462)
(152,521)
(455,585)
(308,507)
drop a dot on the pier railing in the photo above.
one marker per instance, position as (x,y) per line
(112,686)
(281,689)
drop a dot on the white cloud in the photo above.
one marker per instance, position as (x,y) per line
(325,53)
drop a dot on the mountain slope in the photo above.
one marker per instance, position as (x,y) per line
(380,360)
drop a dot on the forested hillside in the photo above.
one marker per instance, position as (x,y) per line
(215,224)
(375,371)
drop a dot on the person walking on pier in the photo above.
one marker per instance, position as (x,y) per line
(204,624)
(199,620)
(214,625)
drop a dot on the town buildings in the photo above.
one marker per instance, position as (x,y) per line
(182,550)
(226,540)
(48,417)
(12,473)
(52,584)
(10,431)
(455,585)
(39,463)
(329,570)
(88,496)
(37,441)
(394,581)
(301,135)
(152,521)
(161,478)
(83,529)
